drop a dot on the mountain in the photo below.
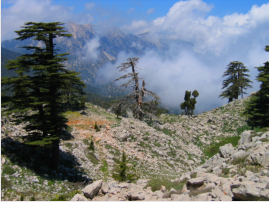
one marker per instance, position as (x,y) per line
(7,55)
(210,156)
(107,45)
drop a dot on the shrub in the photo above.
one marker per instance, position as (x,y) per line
(8,170)
(214,147)
(122,172)
(225,171)
(96,127)
(5,183)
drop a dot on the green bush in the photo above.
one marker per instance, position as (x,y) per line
(122,172)
(97,129)
(5,183)
(225,171)
(214,147)
(8,170)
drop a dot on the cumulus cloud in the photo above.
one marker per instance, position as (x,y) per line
(198,50)
(22,11)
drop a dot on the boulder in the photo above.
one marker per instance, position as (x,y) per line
(104,188)
(79,197)
(195,182)
(239,155)
(260,155)
(182,197)
(245,137)
(122,135)
(226,150)
(248,190)
(221,195)
(92,190)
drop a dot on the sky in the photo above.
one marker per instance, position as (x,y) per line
(202,38)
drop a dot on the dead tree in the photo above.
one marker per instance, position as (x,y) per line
(137,96)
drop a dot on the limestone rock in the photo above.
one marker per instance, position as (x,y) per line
(248,190)
(245,137)
(226,150)
(79,197)
(196,182)
(92,190)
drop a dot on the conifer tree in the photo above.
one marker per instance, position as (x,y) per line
(123,172)
(42,90)
(257,109)
(189,104)
(236,82)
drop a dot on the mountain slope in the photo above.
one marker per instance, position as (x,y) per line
(164,149)
(107,47)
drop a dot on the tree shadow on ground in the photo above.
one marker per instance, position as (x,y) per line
(33,158)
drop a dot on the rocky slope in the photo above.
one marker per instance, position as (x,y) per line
(239,173)
(168,148)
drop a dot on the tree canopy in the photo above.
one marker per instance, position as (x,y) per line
(257,109)
(236,81)
(42,91)
(189,104)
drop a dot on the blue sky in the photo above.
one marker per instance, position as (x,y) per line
(203,37)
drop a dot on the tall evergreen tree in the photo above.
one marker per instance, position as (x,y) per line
(43,89)
(236,82)
(257,109)
(189,104)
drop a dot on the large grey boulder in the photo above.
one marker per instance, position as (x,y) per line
(248,190)
(79,197)
(241,154)
(245,137)
(226,150)
(260,155)
(92,190)
(122,135)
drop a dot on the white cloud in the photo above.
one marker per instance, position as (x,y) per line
(150,11)
(22,11)
(199,48)
(89,6)
(90,50)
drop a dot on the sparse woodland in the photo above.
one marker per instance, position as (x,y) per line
(55,145)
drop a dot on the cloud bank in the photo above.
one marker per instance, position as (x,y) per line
(199,49)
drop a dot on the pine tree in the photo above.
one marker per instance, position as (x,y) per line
(42,89)
(236,82)
(189,104)
(123,172)
(137,96)
(257,109)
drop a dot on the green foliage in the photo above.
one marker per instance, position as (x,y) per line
(44,90)
(92,158)
(189,104)
(238,160)
(68,145)
(236,82)
(156,184)
(242,129)
(5,183)
(8,170)
(104,169)
(257,109)
(214,147)
(226,171)
(96,127)
(122,172)
(62,197)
